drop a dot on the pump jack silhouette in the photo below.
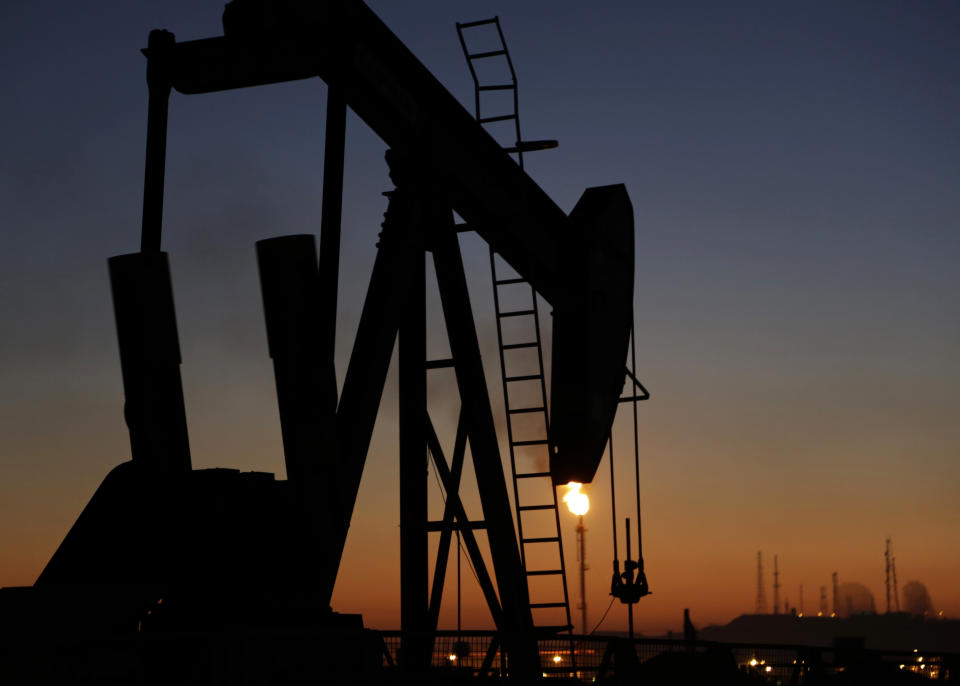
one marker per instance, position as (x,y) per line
(165,548)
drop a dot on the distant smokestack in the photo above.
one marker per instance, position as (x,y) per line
(776,587)
(893,569)
(836,607)
(761,596)
(886,560)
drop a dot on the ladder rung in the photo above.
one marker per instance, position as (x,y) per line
(532,475)
(440,364)
(505,282)
(498,87)
(541,539)
(536,605)
(524,508)
(631,398)
(481,55)
(517,313)
(518,346)
(525,410)
(543,572)
(525,377)
(500,117)
(479,22)
(539,441)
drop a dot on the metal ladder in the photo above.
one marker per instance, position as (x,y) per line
(547,534)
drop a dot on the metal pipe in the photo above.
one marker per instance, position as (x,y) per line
(582,556)
(150,360)
(306,389)
(160,45)
(629,604)
(329,267)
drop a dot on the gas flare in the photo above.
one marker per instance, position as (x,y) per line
(578,502)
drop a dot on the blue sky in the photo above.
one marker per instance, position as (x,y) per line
(794,174)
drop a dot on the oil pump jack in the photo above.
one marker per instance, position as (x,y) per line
(163,547)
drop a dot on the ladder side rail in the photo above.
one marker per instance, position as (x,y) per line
(473,72)
(516,95)
(506,404)
(556,504)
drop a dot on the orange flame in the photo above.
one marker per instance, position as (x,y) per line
(578,502)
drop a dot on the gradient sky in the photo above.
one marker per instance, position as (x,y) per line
(795,175)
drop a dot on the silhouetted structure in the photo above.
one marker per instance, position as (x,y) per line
(166,551)
(887,580)
(855,598)
(689,631)
(916,599)
(761,595)
(836,607)
(776,586)
(893,631)
(896,594)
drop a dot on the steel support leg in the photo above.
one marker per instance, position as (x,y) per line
(363,384)
(306,387)
(518,635)
(415,640)
(330,220)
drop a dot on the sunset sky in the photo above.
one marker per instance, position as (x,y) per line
(795,176)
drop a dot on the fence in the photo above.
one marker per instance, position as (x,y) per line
(597,658)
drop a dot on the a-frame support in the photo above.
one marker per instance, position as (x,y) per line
(417,220)
(517,627)
(455,517)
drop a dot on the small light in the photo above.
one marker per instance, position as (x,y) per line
(920,659)
(753,662)
(902,666)
(768,668)
(820,614)
(452,657)
(914,650)
(556,659)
